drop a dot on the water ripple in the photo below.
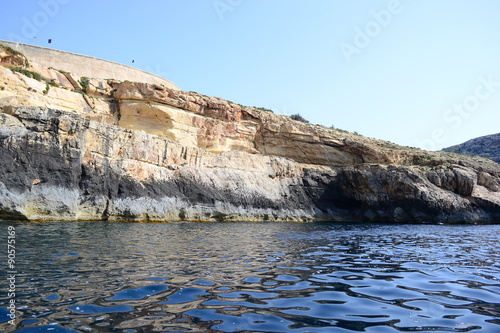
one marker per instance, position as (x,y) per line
(254,277)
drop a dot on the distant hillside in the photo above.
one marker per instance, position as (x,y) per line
(485,146)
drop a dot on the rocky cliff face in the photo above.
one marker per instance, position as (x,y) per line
(485,146)
(84,149)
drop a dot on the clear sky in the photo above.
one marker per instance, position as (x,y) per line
(422,73)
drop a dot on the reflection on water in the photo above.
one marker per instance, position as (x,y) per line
(254,277)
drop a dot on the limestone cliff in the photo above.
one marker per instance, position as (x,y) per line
(77,148)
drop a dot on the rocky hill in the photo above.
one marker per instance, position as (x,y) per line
(485,146)
(79,148)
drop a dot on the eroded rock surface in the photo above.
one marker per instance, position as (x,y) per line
(485,146)
(85,149)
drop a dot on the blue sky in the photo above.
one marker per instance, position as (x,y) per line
(422,73)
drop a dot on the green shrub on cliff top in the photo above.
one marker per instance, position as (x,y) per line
(36,76)
(84,82)
(16,52)
(298,117)
(11,50)
(263,109)
(33,75)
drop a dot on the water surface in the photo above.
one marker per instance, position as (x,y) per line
(253,277)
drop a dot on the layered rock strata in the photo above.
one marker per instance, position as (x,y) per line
(86,149)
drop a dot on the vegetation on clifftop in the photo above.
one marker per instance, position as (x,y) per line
(348,142)
(298,117)
(28,73)
(36,76)
(11,50)
(14,53)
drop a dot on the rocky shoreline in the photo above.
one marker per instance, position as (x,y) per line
(86,149)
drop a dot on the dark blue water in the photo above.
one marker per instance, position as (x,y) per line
(252,277)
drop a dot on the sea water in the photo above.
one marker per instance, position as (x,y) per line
(250,277)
